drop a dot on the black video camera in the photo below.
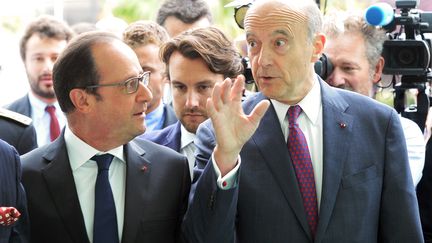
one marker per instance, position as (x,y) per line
(407,52)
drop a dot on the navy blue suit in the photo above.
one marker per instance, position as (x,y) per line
(424,194)
(367,191)
(157,188)
(12,194)
(169,137)
(21,105)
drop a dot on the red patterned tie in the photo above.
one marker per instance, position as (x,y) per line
(299,152)
(8,215)
(54,124)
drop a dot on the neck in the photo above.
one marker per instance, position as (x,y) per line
(97,138)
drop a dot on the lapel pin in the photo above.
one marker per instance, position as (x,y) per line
(342,125)
(144,168)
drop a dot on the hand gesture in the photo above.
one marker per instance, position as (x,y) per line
(233,128)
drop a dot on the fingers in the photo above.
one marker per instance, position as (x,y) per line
(259,111)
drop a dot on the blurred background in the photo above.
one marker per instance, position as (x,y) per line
(17,13)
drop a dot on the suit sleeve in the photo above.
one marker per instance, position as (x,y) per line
(399,214)
(212,212)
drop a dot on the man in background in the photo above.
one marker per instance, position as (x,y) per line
(145,38)
(354,48)
(43,41)
(177,16)
(196,60)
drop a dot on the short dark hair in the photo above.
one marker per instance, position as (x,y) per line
(45,26)
(211,45)
(188,11)
(76,68)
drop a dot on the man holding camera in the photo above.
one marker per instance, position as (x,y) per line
(354,48)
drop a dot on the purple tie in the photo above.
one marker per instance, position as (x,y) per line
(299,152)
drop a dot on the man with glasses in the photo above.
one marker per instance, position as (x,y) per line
(95,183)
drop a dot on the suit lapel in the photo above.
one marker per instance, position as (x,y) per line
(172,140)
(61,185)
(272,145)
(337,130)
(137,179)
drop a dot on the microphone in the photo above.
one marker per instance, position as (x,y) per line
(379,14)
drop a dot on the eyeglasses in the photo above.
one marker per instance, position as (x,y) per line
(130,85)
(240,13)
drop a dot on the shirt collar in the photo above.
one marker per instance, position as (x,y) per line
(38,106)
(186,137)
(309,104)
(80,152)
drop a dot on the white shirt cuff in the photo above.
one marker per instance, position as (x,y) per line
(229,181)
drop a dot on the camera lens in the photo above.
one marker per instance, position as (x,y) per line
(406,56)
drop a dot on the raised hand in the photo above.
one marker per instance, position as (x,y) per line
(233,128)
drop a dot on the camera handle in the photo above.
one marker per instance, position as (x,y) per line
(416,113)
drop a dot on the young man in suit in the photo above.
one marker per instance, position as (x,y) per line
(196,60)
(17,130)
(139,194)
(335,169)
(14,225)
(43,41)
(146,38)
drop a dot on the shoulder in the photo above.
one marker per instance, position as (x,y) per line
(159,134)
(14,117)
(156,151)
(20,104)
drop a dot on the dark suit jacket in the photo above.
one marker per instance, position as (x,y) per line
(170,117)
(169,137)
(12,194)
(367,190)
(18,134)
(21,105)
(157,187)
(424,194)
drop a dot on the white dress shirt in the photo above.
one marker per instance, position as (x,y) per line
(416,147)
(187,147)
(41,119)
(310,122)
(85,172)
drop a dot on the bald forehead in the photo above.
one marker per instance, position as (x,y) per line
(275,13)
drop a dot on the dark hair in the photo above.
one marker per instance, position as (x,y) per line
(76,68)
(211,45)
(188,11)
(144,32)
(45,26)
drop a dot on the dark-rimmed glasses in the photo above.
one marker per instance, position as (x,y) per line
(130,85)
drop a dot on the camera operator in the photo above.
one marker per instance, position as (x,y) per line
(354,48)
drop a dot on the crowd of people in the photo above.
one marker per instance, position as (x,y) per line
(94,152)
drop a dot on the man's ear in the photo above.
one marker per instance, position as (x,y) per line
(378,70)
(318,46)
(81,100)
